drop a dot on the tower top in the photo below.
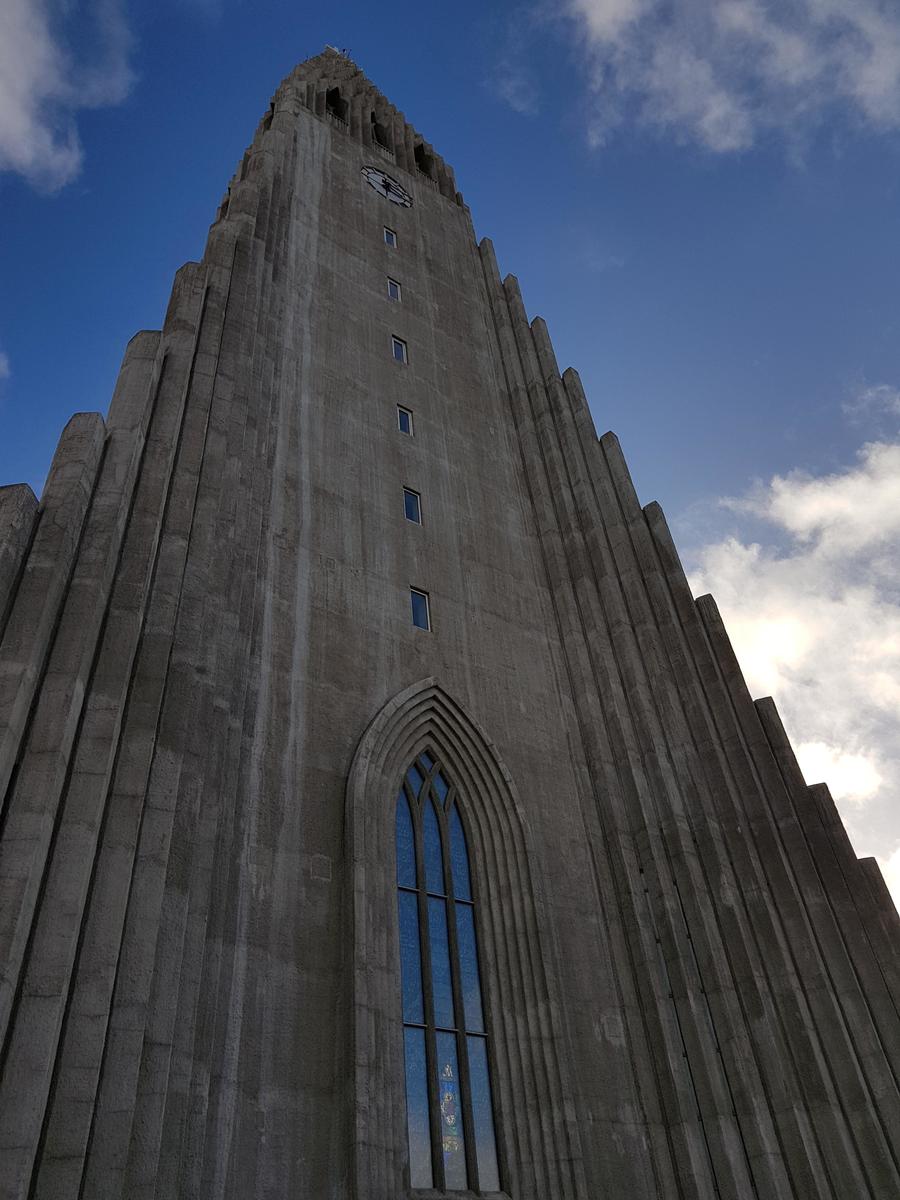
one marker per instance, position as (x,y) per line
(333,87)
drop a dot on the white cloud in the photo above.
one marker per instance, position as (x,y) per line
(814,615)
(5,370)
(724,72)
(42,86)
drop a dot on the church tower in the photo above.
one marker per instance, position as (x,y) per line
(381,815)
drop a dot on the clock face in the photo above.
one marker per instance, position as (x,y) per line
(387,186)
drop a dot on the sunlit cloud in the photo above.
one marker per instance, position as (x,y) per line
(43,86)
(814,615)
(723,73)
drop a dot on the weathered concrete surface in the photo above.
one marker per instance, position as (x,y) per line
(210,685)
(18,509)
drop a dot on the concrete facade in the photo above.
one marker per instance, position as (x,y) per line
(210,687)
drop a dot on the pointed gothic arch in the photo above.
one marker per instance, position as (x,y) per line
(535,1125)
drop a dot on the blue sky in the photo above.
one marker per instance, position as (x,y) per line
(700,198)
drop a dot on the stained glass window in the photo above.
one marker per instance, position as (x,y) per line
(449,1104)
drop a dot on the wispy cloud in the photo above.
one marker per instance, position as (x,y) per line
(5,370)
(873,402)
(515,87)
(723,73)
(814,614)
(43,84)
(513,77)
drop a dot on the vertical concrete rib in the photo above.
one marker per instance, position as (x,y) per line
(751,934)
(614,871)
(697,959)
(617,662)
(166,1075)
(864,1156)
(33,615)
(149,772)
(18,519)
(880,895)
(80,1051)
(882,941)
(41,818)
(868,1007)
(711,948)
(768,891)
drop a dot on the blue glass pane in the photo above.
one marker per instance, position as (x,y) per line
(420,1172)
(410,959)
(415,780)
(411,507)
(434,859)
(459,858)
(452,1143)
(427,760)
(440,964)
(406,844)
(439,784)
(468,968)
(483,1116)
(419,609)
(404,421)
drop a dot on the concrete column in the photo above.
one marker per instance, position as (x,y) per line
(649,646)
(18,513)
(625,1009)
(853,1163)
(148,807)
(866,1003)
(745,913)
(31,620)
(39,822)
(128,632)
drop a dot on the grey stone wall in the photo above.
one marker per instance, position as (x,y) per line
(210,684)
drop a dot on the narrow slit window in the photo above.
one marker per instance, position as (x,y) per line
(449,1105)
(404,420)
(393,289)
(390,238)
(399,350)
(412,506)
(421,609)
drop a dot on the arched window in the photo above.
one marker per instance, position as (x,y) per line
(449,1109)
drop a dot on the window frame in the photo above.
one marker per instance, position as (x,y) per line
(403,356)
(401,410)
(414,591)
(417,497)
(417,804)
(391,282)
(390,237)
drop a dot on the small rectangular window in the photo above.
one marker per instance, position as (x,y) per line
(412,506)
(421,615)
(390,237)
(398,349)
(404,420)
(393,289)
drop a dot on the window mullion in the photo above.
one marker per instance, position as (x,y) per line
(437,1157)
(462,1051)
